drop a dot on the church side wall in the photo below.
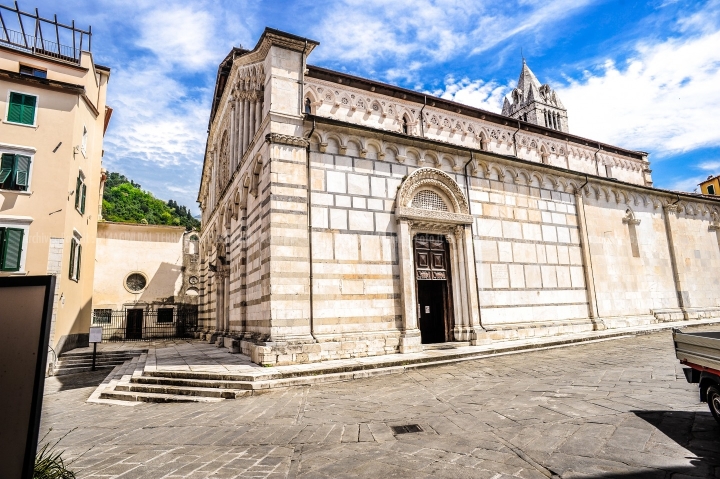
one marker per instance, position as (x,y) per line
(529,262)
(357,309)
(626,285)
(698,256)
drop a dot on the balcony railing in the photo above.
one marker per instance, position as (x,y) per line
(33,34)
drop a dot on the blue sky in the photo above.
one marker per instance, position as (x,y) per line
(638,74)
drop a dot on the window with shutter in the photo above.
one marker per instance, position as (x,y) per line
(6,167)
(82,200)
(75,257)
(11,251)
(73,244)
(78,191)
(22,108)
(22,171)
(14,172)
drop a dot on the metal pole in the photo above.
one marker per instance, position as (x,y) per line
(94,353)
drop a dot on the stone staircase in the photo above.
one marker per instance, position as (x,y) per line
(78,362)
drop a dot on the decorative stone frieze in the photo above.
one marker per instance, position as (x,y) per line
(277,138)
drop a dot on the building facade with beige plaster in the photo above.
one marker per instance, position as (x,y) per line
(54,116)
(147,274)
(343,217)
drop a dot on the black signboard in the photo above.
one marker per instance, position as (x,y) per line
(25,316)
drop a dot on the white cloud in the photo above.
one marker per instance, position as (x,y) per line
(662,100)
(485,95)
(709,165)
(430,31)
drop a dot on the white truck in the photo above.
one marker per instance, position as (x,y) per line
(701,353)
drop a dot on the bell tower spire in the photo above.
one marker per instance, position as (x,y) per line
(535,103)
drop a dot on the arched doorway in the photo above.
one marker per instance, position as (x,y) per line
(434,240)
(433,286)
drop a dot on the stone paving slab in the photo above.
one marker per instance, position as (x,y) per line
(200,358)
(616,409)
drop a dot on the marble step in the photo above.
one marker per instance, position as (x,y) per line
(81,369)
(201,383)
(154,397)
(178,391)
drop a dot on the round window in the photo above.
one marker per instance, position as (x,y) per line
(135,282)
(193,280)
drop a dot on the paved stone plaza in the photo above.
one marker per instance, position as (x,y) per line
(618,408)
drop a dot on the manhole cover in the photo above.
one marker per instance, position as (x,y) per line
(407,428)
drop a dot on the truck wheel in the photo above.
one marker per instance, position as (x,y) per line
(713,400)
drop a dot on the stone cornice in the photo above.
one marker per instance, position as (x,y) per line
(278,138)
(431,216)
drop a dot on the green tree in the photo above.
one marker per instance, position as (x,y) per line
(125,202)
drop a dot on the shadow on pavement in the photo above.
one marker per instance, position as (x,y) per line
(68,382)
(697,432)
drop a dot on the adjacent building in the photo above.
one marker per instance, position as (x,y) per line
(146,281)
(54,117)
(711,186)
(344,217)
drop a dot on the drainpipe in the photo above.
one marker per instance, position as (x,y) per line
(597,161)
(588,269)
(472,234)
(515,139)
(422,119)
(309,229)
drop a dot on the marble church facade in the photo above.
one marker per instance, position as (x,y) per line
(343,217)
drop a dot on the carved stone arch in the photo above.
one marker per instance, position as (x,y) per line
(525,177)
(245,188)
(394,151)
(358,143)
(473,167)
(435,180)
(311,101)
(544,153)
(328,96)
(539,179)
(414,153)
(497,170)
(332,139)
(616,195)
(431,157)
(555,182)
(482,168)
(256,172)
(452,161)
(237,198)
(605,192)
(376,107)
(484,139)
(223,172)
(510,174)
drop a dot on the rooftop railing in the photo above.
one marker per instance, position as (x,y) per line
(36,35)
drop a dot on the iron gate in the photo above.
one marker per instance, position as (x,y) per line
(137,324)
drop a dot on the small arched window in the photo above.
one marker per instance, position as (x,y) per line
(308,106)
(405,125)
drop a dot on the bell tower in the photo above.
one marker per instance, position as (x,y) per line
(536,103)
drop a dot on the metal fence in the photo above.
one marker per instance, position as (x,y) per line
(143,325)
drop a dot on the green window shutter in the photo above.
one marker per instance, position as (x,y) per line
(72,258)
(6,167)
(2,243)
(82,200)
(78,187)
(16,108)
(79,257)
(12,249)
(28,112)
(22,171)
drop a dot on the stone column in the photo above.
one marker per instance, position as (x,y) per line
(240,121)
(471,281)
(593,313)
(226,303)
(258,109)
(231,146)
(670,213)
(219,299)
(455,268)
(462,276)
(253,104)
(410,340)
(246,125)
